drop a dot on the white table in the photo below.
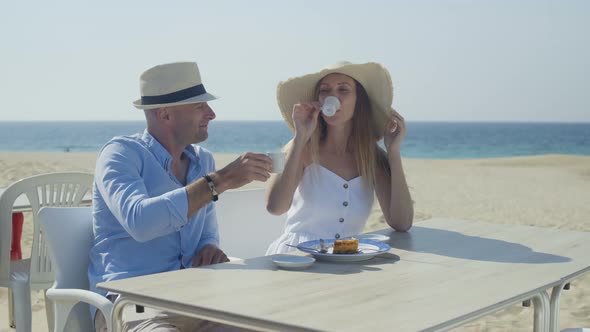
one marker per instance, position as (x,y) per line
(442,274)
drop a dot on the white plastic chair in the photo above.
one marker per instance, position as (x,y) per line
(69,237)
(52,189)
(246,229)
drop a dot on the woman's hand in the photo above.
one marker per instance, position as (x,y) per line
(305,118)
(395,131)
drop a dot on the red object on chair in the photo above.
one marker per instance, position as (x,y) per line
(16,252)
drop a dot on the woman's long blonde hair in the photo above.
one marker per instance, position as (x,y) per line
(364,136)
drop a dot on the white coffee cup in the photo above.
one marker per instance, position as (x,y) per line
(278,160)
(330,106)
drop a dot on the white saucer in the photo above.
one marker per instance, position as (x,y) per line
(292,261)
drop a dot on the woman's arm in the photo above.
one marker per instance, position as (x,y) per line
(280,196)
(390,185)
(393,193)
(284,185)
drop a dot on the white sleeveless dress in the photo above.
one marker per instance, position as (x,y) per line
(325,206)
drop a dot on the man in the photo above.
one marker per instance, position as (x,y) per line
(153,193)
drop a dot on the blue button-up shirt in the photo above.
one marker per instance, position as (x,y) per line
(140,211)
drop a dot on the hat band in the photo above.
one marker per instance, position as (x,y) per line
(173,97)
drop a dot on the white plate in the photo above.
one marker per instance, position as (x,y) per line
(293,262)
(367,250)
(374,237)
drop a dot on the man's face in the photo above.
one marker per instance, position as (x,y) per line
(190,123)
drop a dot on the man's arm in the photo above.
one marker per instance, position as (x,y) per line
(118,180)
(245,169)
(198,195)
(208,252)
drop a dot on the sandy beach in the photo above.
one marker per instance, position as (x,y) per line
(544,191)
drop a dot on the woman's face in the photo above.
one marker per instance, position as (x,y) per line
(342,87)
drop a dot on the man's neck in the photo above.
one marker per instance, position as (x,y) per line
(179,163)
(174,148)
(179,167)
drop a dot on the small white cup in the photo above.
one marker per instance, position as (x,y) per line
(278,160)
(330,106)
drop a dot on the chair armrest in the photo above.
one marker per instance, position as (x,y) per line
(81,295)
(65,299)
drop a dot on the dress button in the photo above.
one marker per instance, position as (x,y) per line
(345,203)
(337,235)
(345,186)
(341,220)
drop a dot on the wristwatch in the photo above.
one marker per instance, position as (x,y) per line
(211,187)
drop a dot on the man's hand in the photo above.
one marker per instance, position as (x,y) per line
(247,168)
(208,255)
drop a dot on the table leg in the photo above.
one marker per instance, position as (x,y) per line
(117,315)
(11,320)
(554,311)
(541,303)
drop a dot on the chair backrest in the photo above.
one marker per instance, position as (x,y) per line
(64,189)
(69,238)
(246,229)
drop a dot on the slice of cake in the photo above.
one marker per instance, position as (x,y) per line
(348,246)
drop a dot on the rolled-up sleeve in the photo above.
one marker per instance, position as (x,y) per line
(120,182)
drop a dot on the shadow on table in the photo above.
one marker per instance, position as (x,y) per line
(454,244)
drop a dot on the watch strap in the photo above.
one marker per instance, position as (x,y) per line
(212,187)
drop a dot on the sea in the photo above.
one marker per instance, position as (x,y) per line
(428,140)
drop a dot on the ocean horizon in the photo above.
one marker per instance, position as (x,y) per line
(427,140)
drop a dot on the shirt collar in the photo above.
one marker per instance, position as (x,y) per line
(162,155)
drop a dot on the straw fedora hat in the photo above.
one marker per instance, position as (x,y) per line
(171,84)
(372,76)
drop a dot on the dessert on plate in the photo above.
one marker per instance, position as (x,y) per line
(346,246)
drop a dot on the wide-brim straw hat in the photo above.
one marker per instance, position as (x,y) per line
(172,84)
(372,76)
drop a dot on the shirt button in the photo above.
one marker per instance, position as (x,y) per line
(345,186)
(337,235)
(341,220)
(345,203)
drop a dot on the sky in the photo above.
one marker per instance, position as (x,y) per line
(500,60)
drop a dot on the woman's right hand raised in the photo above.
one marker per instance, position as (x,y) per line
(305,118)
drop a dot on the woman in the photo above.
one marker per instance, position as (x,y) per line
(333,163)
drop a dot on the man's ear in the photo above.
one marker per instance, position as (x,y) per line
(164,113)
